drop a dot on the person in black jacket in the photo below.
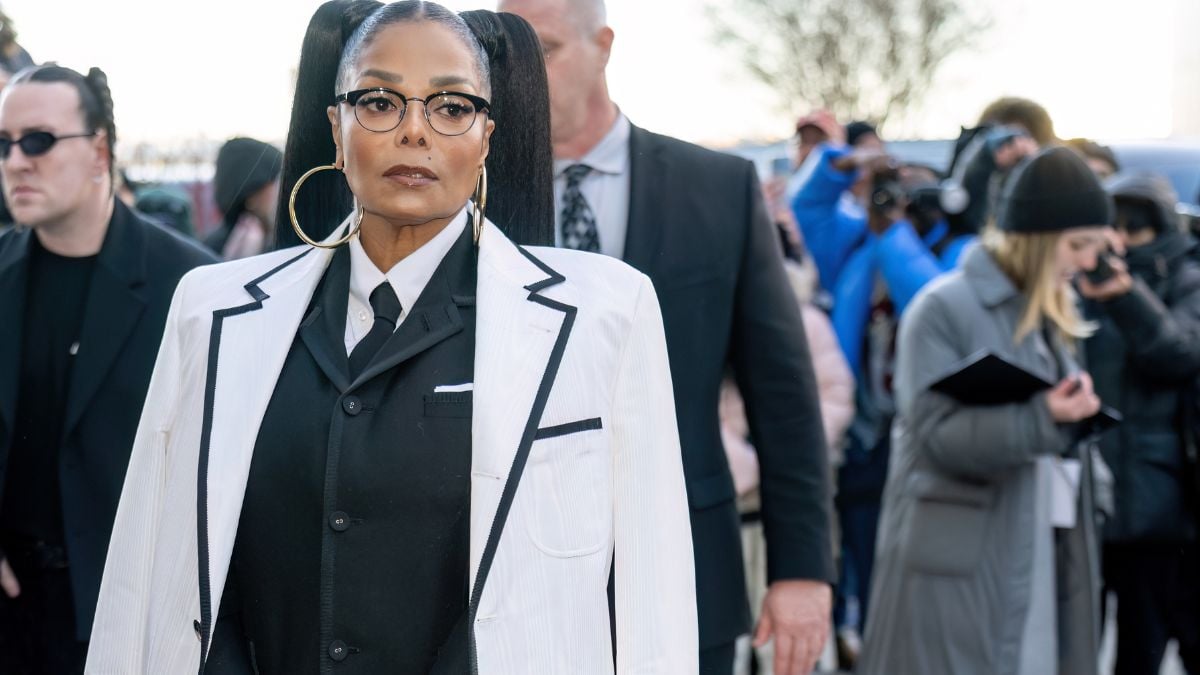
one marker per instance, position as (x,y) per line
(1145,358)
(85,284)
(694,221)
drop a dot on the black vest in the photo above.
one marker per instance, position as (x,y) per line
(353,546)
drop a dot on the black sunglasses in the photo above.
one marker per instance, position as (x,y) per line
(35,143)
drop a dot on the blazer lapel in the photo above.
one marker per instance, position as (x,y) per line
(521,334)
(249,342)
(114,304)
(324,329)
(647,171)
(13,275)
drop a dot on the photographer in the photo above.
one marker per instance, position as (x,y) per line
(1145,358)
(874,253)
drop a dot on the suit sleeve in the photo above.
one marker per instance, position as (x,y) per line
(972,442)
(118,642)
(655,587)
(774,370)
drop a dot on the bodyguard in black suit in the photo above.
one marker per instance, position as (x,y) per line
(694,221)
(84,292)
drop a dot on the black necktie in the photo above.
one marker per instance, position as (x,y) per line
(387,309)
(578,222)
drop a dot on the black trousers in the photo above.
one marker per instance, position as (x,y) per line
(37,628)
(718,660)
(1158,599)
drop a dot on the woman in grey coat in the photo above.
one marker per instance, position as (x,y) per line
(986,560)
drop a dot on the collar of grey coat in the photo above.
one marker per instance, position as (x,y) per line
(521,335)
(115,302)
(991,284)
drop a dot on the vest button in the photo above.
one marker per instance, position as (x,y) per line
(338,650)
(339,521)
(352,405)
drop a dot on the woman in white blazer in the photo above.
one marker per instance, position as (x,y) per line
(414,446)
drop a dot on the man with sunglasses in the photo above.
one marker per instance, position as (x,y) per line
(85,285)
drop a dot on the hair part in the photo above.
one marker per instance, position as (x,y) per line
(1028,260)
(411,11)
(95,101)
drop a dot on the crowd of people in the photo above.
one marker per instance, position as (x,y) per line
(512,385)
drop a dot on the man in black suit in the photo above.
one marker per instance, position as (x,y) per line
(695,222)
(85,285)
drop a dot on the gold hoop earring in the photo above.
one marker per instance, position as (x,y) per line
(479,204)
(296,222)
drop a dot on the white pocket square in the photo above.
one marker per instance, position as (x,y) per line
(449,388)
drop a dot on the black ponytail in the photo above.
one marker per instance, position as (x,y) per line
(326,200)
(95,100)
(520,164)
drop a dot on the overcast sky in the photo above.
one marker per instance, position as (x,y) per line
(219,68)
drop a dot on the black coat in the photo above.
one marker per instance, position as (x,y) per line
(1143,359)
(135,276)
(698,228)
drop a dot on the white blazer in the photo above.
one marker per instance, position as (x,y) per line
(561,337)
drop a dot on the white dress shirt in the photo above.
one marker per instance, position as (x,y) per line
(606,188)
(407,277)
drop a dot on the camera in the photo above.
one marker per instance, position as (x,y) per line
(1102,272)
(946,197)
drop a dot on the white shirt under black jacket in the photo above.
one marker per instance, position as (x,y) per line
(606,188)
(408,278)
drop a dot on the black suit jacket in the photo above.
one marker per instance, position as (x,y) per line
(135,276)
(698,228)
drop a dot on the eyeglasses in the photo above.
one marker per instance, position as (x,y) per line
(450,113)
(35,143)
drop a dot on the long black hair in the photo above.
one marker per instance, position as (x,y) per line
(325,202)
(520,164)
(95,101)
(337,33)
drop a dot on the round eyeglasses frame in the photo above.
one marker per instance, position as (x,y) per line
(481,106)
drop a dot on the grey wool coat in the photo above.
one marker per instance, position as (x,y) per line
(971,577)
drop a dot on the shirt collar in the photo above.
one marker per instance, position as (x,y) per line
(407,277)
(609,156)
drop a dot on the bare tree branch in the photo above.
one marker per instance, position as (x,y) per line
(861,59)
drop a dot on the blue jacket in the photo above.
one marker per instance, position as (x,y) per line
(849,256)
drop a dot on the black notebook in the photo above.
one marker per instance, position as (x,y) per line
(984,378)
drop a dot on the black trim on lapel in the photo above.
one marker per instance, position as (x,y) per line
(14,274)
(527,438)
(210,390)
(647,179)
(115,303)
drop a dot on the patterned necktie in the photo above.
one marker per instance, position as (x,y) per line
(387,310)
(578,222)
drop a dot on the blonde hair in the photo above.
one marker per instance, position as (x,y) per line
(1029,262)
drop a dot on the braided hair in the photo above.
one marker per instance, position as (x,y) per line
(95,101)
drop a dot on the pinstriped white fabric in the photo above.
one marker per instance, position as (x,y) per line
(585,490)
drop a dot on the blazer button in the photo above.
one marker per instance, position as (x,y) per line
(338,650)
(339,521)
(196,627)
(352,405)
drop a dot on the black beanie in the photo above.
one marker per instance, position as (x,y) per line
(1053,191)
(244,166)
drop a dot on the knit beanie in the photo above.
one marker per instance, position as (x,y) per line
(1053,191)
(244,166)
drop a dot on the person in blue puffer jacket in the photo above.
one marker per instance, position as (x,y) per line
(877,232)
